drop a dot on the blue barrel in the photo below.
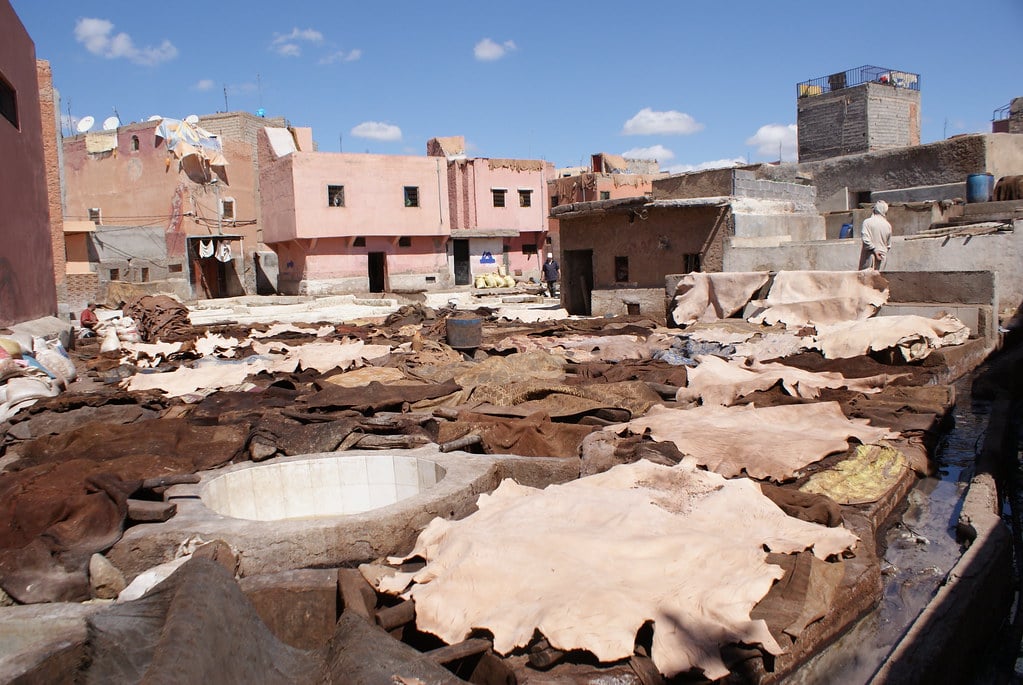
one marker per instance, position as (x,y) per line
(464,334)
(846,232)
(979,187)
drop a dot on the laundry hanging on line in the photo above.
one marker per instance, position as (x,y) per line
(205,248)
(224,251)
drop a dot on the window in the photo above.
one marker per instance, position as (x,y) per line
(554,200)
(144,271)
(404,241)
(621,269)
(411,196)
(336,196)
(498,196)
(174,268)
(605,195)
(115,274)
(359,241)
(227,209)
(94,215)
(692,263)
(134,143)
(8,102)
(525,198)
(529,248)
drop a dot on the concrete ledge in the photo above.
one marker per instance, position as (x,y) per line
(980,323)
(43,643)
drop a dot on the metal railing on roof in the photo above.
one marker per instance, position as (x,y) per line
(1002,113)
(856,77)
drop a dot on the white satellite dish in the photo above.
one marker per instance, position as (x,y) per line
(155,117)
(85,124)
(111,123)
(192,119)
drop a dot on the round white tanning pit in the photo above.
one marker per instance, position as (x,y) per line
(324,486)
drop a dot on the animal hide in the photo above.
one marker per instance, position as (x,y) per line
(768,442)
(589,562)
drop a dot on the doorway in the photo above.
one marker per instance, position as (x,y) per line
(463,272)
(209,275)
(577,281)
(377,272)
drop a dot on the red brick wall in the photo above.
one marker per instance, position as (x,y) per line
(82,289)
(48,110)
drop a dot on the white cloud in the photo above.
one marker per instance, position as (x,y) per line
(672,122)
(287,45)
(771,138)
(97,35)
(487,50)
(713,164)
(341,56)
(204,84)
(658,152)
(377,130)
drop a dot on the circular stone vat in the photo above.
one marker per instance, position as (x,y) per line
(325,486)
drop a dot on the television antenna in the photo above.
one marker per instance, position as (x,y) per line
(85,124)
(111,123)
(192,119)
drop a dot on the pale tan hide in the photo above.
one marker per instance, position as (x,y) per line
(185,380)
(800,298)
(357,378)
(718,381)
(584,348)
(589,562)
(914,336)
(278,328)
(773,345)
(215,344)
(320,356)
(768,442)
(713,296)
(153,352)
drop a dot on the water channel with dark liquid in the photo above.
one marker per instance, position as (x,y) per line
(920,549)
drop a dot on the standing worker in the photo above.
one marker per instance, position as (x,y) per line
(877,238)
(551,271)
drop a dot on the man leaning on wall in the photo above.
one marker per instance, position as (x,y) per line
(877,238)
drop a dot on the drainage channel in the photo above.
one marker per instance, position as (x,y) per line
(920,549)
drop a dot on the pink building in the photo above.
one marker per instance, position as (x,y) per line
(146,214)
(27,288)
(498,212)
(342,222)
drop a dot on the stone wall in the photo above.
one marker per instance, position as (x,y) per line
(648,302)
(746,184)
(935,164)
(710,183)
(864,118)
(893,117)
(1000,253)
(832,124)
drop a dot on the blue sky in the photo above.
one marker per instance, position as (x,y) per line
(689,83)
